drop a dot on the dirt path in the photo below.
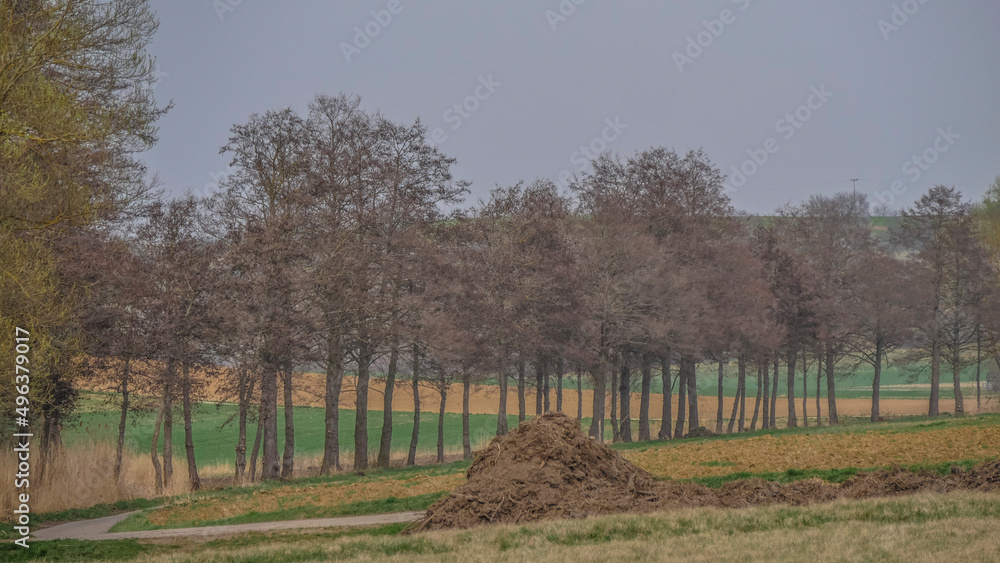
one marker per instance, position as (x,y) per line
(98,529)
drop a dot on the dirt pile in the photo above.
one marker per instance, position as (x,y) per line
(547,468)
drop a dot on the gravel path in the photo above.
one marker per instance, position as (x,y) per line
(98,529)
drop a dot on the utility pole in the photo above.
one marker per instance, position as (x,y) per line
(854,199)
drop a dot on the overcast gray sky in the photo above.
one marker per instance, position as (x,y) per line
(788,98)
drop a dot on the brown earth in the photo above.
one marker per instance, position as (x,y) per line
(548,469)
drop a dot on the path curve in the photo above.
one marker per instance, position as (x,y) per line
(97,529)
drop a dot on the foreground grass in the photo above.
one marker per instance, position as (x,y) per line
(927,527)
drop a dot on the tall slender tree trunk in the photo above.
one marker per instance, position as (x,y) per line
(625,395)
(288,456)
(774,392)
(877,381)
(792,360)
(411,456)
(666,417)
(331,418)
(522,407)
(647,380)
(765,422)
(616,434)
(546,383)
(188,436)
(692,392)
(819,377)
(956,375)
(502,428)
(466,439)
(719,411)
(123,421)
(256,446)
(831,389)
(168,424)
(756,405)
(385,440)
(935,377)
(245,392)
(579,393)
(979,364)
(539,386)
(596,421)
(742,366)
(269,421)
(443,390)
(365,354)
(157,471)
(732,416)
(805,390)
(559,385)
(681,400)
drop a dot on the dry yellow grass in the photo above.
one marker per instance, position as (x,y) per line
(82,476)
(767,453)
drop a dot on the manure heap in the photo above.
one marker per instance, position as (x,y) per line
(547,468)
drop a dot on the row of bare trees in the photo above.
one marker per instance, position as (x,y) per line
(330,246)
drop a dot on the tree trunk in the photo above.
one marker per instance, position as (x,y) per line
(765,420)
(692,395)
(546,406)
(756,405)
(579,393)
(365,354)
(256,446)
(168,425)
(385,441)
(774,393)
(522,400)
(792,360)
(269,420)
(122,423)
(559,385)
(935,377)
(443,390)
(331,422)
(288,456)
(877,381)
(157,471)
(502,428)
(647,379)
(681,401)
(719,411)
(732,416)
(616,434)
(805,391)
(539,386)
(831,390)
(956,375)
(188,437)
(411,456)
(625,396)
(742,382)
(245,391)
(666,417)
(979,364)
(596,429)
(466,440)
(819,377)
